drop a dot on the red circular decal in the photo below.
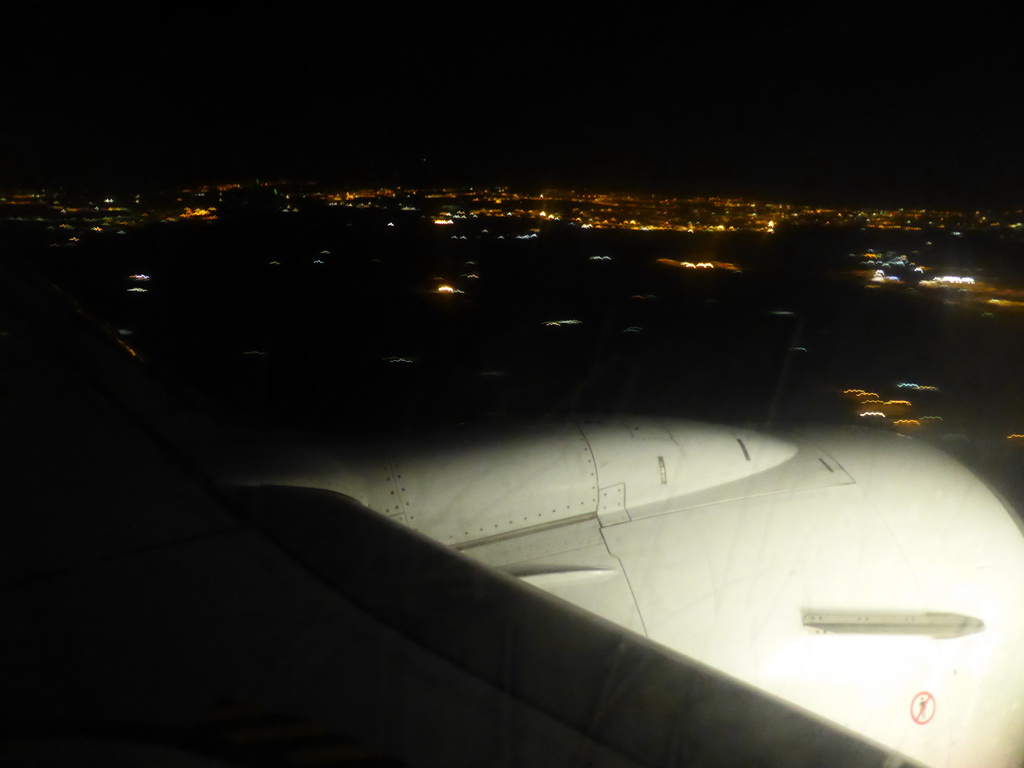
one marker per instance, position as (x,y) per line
(922,708)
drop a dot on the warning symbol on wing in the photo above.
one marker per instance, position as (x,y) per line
(922,708)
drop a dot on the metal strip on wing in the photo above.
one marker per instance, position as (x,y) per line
(937,625)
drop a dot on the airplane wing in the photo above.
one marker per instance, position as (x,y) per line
(152,616)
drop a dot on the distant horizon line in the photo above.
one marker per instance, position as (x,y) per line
(85,189)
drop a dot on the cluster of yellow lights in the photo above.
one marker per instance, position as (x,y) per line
(866,398)
(1006,303)
(967,288)
(700,264)
(127,348)
(199,213)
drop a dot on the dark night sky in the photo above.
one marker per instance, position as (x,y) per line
(909,110)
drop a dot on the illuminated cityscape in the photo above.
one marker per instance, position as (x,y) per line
(646,213)
(509,263)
